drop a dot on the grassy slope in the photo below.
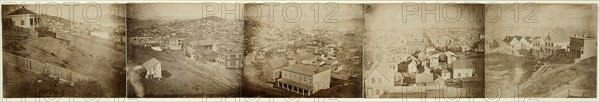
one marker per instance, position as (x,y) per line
(78,52)
(554,80)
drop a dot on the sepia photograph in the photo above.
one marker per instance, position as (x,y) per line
(63,50)
(420,50)
(303,50)
(184,49)
(541,50)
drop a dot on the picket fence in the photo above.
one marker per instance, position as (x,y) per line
(64,75)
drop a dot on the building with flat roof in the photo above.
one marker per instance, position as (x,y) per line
(582,47)
(304,79)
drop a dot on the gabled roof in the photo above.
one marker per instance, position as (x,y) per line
(508,38)
(426,76)
(445,70)
(378,68)
(448,53)
(22,11)
(150,64)
(463,64)
(547,38)
(277,62)
(209,54)
(301,57)
(201,42)
(229,48)
(518,37)
(528,38)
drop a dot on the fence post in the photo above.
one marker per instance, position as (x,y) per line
(29,64)
(569,92)
(583,93)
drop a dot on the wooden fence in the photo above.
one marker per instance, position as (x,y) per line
(64,75)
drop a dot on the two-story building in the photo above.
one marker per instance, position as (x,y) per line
(271,68)
(548,46)
(582,47)
(463,69)
(380,78)
(304,79)
(175,43)
(229,55)
(513,44)
(199,49)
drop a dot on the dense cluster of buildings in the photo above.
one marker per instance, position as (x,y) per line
(210,39)
(576,47)
(424,68)
(457,39)
(223,54)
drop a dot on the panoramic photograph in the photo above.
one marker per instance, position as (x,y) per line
(48,52)
(184,50)
(303,50)
(552,50)
(431,51)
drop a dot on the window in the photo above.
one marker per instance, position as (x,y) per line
(305,79)
(372,80)
(459,74)
(30,21)
(22,22)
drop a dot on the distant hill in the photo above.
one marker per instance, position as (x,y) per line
(111,20)
(62,25)
(133,23)
(211,27)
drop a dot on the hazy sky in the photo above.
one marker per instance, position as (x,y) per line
(304,15)
(76,12)
(549,16)
(414,17)
(185,10)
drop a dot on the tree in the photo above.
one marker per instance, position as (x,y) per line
(495,44)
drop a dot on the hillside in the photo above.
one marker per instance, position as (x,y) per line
(74,49)
(133,23)
(62,25)
(214,28)
(111,20)
(555,80)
